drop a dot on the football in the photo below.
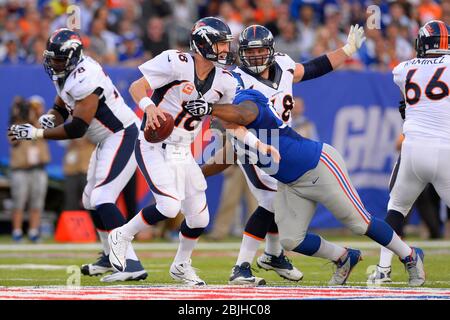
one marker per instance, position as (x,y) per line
(161,133)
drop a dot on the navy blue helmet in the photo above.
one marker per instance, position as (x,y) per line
(254,37)
(63,52)
(433,38)
(205,34)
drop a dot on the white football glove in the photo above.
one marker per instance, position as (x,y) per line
(47,121)
(198,107)
(354,40)
(25,132)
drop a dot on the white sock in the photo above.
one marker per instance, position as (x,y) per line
(247,253)
(185,248)
(385,257)
(135,225)
(103,235)
(329,250)
(17,232)
(273,245)
(399,247)
(131,254)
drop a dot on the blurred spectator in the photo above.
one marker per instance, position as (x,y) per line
(300,123)
(228,14)
(329,36)
(321,25)
(265,12)
(75,166)
(234,189)
(184,16)
(102,45)
(28,176)
(398,47)
(429,10)
(306,26)
(155,40)
(287,42)
(131,52)
(13,53)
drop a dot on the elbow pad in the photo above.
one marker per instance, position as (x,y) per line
(76,128)
(317,67)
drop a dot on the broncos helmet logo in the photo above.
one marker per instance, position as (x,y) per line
(71,44)
(203,32)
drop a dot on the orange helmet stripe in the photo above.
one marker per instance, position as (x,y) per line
(444,36)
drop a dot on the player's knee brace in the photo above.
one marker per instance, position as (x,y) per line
(168,207)
(199,220)
(259,222)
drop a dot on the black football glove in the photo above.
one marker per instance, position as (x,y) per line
(402,108)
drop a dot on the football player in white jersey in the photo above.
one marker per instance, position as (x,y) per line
(425,153)
(272,73)
(87,96)
(171,172)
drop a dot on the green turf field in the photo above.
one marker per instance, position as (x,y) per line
(46,264)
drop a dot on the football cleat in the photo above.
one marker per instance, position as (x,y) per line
(344,266)
(101,266)
(242,275)
(281,265)
(380,275)
(414,265)
(133,272)
(184,272)
(118,242)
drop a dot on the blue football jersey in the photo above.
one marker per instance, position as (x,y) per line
(298,154)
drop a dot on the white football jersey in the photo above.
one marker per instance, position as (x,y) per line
(112,115)
(172,76)
(424,83)
(278,88)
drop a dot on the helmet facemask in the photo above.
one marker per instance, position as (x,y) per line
(256,63)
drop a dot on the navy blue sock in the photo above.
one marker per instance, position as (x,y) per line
(396,220)
(152,215)
(97,220)
(259,222)
(309,245)
(189,232)
(380,231)
(110,215)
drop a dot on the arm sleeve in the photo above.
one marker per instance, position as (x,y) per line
(159,70)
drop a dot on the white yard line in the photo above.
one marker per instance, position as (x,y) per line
(442,244)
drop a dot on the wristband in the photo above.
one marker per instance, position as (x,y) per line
(39,133)
(145,102)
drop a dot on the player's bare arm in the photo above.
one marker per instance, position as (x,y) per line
(55,116)
(242,114)
(138,90)
(83,114)
(332,60)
